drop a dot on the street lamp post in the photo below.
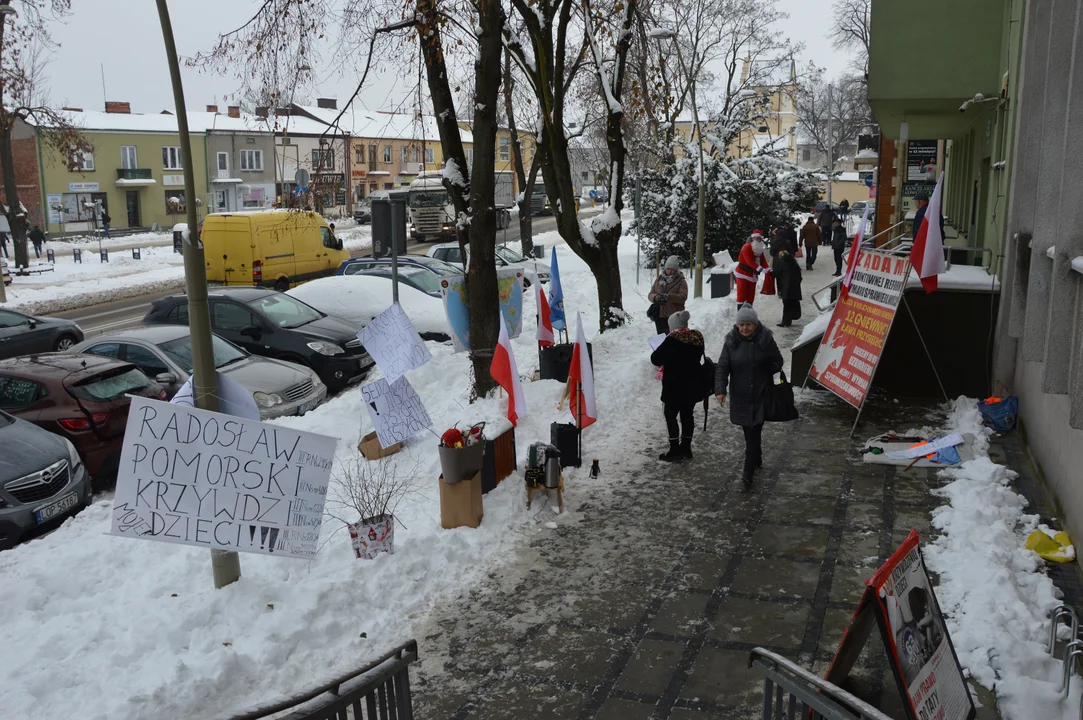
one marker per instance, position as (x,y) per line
(701,219)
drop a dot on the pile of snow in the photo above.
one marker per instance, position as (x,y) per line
(359,298)
(961,277)
(816,327)
(993,591)
(139,631)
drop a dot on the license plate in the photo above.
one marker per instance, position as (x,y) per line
(305,407)
(52,510)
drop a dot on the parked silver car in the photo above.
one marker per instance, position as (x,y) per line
(164,353)
(42,480)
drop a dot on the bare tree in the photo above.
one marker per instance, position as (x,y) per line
(24,31)
(852,30)
(848,111)
(526,177)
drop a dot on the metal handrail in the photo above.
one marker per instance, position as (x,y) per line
(882,232)
(350,688)
(813,693)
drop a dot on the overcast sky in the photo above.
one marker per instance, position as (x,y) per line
(129,49)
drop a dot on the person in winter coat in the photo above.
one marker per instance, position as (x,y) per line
(669,293)
(750,358)
(919,215)
(844,208)
(105,222)
(681,354)
(827,216)
(838,244)
(37,237)
(4,244)
(750,263)
(788,283)
(811,238)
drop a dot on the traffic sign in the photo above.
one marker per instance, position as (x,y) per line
(868,180)
(301,177)
(593,194)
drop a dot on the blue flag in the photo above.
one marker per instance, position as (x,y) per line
(556,295)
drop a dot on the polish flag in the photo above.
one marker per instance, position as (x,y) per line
(583,405)
(927,254)
(545,324)
(855,253)
(506,373)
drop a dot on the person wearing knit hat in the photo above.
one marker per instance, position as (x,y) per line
(680,355)
(668,294)
(751,261)
(744,373)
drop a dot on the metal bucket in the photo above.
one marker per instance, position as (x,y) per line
(552,473)
(459,464)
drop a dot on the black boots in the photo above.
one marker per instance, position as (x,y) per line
(674,453)
(686,447)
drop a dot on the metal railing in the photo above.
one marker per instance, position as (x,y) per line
(378,691)
(792,693)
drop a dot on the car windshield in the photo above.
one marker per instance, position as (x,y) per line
(180,352)
(110,386)
(509,255)
(428,198)
(423,279)
(285,311)
(440,267)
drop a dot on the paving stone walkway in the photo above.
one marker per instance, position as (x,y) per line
(648,606)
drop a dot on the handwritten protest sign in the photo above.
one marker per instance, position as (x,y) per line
(396,410)
(394,344)
(194,477)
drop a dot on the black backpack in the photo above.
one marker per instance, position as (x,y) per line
(706,384)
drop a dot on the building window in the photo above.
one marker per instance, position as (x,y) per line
(504,148)
(82,161)
(806,154)
(172,159)
(405,154)
(127,157)
(416,153)
(359,155)
(387,154)
(82,207)
(252,160)
(763,128)
(174,202)
(469,158)
(372,156)
(584,173)
(389,186)
(223,162)
(323,160)
(430,155)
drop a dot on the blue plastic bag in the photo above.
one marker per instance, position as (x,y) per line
(1001,415)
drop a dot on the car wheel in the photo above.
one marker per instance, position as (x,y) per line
(64,343)
(282,284)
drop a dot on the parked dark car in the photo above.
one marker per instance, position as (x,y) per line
(25,334)
(362,212)
(276,325)
(42,480)
(82,398)
(361,264)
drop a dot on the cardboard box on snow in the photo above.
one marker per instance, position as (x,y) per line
(460,503)
(372,450)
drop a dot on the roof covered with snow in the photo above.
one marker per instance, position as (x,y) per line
(361,122)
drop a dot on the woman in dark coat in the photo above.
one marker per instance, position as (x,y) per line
(681,355)
(750,358)
(787,274)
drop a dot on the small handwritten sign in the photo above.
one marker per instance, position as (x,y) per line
(194,477)
(394,344)
(396,410)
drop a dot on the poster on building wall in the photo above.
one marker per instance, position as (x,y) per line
(850,350)
(55,201)
(921,161)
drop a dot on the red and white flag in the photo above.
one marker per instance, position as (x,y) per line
(582,403)
(506,373)
(545,324)
(927,255)
(855,253)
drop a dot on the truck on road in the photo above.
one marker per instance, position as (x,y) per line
(432,216)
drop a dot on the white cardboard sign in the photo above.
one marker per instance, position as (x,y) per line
(394,344)
(396,410)
(233,398)
(194,477)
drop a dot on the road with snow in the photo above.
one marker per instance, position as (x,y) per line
(121,314)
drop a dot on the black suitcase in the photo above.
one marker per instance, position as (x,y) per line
(565,437)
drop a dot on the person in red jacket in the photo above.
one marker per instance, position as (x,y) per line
(751,261)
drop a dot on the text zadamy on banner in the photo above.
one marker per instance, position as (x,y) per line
(194,477)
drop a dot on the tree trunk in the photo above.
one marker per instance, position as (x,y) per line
(483,293)
(526,216)
(16,219)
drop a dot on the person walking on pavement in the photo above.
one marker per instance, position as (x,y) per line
(919,215)
(105,222)
(826,218)
(844,208)
(788,283)
(838,244)
(750,358)
(811,238)
(680,354)
(37,237)
(669,293)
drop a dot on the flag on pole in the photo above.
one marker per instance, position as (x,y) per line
(927,255)
(506,373)
(582,403)
(855,253)
(545,324)
(556,295)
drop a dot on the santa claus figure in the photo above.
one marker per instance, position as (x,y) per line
(751,261)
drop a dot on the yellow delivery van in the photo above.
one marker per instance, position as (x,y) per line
(269,248)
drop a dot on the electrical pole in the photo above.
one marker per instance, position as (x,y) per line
(830,145)
(225,565)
